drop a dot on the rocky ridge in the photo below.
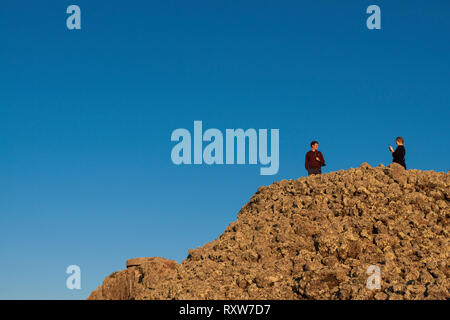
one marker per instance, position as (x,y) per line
(314,238)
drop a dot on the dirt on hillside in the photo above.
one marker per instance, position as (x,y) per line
(315,238)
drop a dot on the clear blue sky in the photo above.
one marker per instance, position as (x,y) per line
(86,117)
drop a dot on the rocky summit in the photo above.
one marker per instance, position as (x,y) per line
(317,237)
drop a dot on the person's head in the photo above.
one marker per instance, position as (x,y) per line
(399,141)
(314,145)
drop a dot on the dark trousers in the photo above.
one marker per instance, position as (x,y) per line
(314,171)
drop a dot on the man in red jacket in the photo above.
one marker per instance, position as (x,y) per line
(314,160)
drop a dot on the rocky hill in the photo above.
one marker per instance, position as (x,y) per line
(315,238)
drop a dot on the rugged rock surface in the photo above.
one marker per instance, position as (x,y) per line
(314,238)
(142,274)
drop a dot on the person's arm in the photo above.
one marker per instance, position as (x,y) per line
(306,161)
(322,159)
(398,154)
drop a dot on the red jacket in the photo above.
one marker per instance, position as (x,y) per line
(311,162)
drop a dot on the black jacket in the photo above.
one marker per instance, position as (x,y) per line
(399,156)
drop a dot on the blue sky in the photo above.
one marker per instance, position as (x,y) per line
(86,116)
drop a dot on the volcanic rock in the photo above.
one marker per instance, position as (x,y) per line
(315,238)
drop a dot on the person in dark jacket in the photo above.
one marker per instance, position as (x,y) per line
(398,156)
(314,160)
